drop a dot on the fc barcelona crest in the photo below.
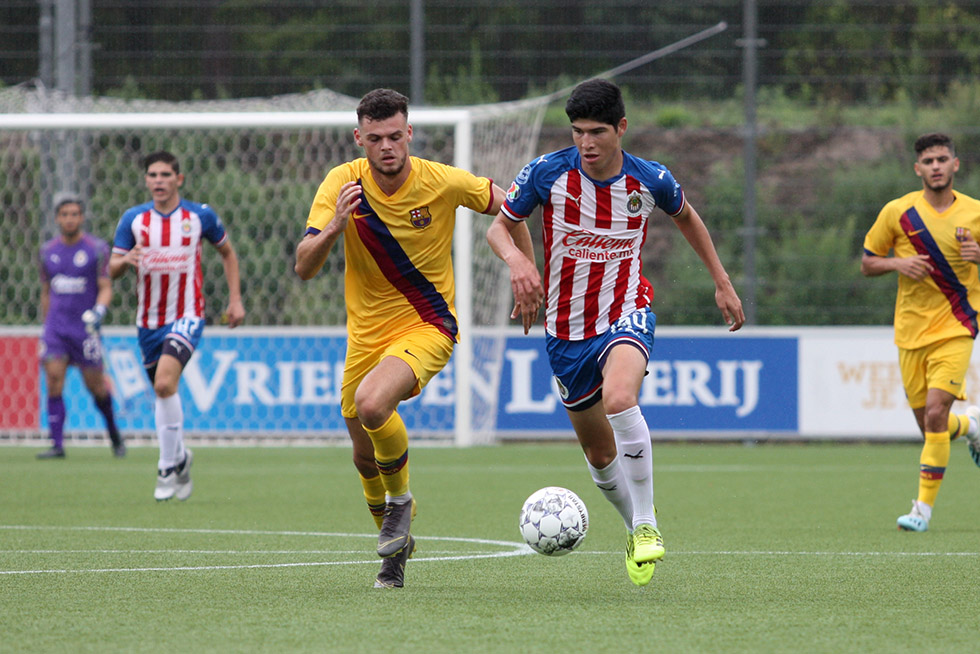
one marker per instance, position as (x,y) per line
(421,217)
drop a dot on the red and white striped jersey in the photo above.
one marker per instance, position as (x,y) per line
(593,235)
(169,277)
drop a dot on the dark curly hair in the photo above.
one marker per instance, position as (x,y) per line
(380,104)
(936,139)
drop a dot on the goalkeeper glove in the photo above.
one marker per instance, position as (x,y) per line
(93,318)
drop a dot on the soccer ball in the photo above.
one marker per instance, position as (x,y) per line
(554,521)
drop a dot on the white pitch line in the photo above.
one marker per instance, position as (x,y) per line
(671,553)
(250,532)
(515,549)
(821,553)
(207,552)
(262,565)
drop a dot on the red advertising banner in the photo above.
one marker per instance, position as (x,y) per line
(19,383)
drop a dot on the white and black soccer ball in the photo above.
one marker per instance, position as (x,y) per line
(554,521)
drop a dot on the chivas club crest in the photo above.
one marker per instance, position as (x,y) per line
(634,204)
(421,217)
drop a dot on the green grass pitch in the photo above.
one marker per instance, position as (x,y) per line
(775,548)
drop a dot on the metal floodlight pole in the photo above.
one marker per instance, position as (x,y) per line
(417,52)
(750,65)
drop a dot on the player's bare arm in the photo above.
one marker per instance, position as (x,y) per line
(511,241)
(916,267)
(312,251)
(497,198)
(45,299)
(119,262)
(696,234)
(235,311)
(104,296)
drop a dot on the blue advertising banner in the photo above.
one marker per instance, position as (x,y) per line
(288,382)
(693,384)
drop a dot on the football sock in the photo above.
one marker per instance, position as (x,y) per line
(932,466)
(924,509)
(104,405)
(56,420)
(961,424)
(611,481)
(633,444)
(374,495)
(170,430)
(391,454)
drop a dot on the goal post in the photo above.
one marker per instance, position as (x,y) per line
(259,168)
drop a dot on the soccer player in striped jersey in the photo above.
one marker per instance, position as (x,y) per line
(597,200)
(162,240)
(75,295)
(932,235)
(397,214)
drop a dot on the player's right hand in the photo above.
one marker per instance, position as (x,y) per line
(347,200)
(92,318)
(133,256)
(916,267)
(525,282)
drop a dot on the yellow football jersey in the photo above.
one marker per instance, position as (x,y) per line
(944,304)
(398,248)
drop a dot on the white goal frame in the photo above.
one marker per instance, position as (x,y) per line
(461,119)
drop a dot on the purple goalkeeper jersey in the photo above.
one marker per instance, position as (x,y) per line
(73,272)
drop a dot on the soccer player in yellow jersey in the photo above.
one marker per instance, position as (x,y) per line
(397,214)
(932,234)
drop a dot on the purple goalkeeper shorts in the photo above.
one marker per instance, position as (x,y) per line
(77,345)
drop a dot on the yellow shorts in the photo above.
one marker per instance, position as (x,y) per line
(425,349)
(941,365)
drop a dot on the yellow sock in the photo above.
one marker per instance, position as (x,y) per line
(958,425)
(932,466)
(374,494)
(391,454)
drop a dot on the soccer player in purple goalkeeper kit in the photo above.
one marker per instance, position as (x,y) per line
(162,240)
(75,291)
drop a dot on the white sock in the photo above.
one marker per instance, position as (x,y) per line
(924,510)
(170,430)
(634,447)
(399,499)
(612,483)
(973,429)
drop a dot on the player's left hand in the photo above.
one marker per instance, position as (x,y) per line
(731,307)
(969,249)
(92,318)
(234,315)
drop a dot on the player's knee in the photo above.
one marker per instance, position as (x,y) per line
(936,418)
(372,410)
(164,387)
(616,401)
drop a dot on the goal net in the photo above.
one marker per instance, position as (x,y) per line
(259,163)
